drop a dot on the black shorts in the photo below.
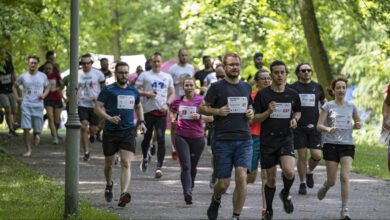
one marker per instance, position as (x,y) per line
(270,154)
(113,141)
(334,152)
(53,103)
(87,114)
(307,138)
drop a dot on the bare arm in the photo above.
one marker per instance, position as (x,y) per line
(45,92)
(357,121)
(260,117)
(321,121)
(295,119)
(15,91)
(101,112)
(207,110)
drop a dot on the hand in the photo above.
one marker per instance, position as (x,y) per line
(293,123)
(195,116)
(223,111)
(114,119)
(164,108)
(41,97)
(142,128)
(331,130)
(53,89)
(94,99)
(271,107)
(151,94)
(250,114)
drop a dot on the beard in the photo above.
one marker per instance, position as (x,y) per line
(259,66)
(122,81)
(232,75)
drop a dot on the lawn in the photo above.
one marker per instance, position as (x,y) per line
(371,161)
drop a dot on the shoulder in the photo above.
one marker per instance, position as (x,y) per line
(291,91)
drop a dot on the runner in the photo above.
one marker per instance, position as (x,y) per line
(116,104)
(189,135)
(278,109)
(386,124)
(306,135)
(335,123)
(229,101)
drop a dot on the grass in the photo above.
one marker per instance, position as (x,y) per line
(25,194)
(371,161)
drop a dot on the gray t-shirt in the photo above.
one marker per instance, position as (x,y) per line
(340,117)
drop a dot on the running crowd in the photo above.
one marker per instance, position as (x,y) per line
(245,128)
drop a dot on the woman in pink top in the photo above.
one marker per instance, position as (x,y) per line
(189,135)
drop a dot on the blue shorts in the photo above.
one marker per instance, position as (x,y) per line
(228,153)
(256,152)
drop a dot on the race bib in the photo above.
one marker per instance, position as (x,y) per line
(343,122)
(53,83)
(238,104)
(6,79)
(307,100)
(282,110)
(161,97)
(34,91)
(125,102)
(185,112)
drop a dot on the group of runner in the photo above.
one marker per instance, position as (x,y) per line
(265,126)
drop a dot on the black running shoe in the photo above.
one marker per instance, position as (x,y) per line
(91,138)
(212,211)
(287,202)
(86,157)
(268,215)
(144,166)
(124,199)
(302,189)
(108,195)
(309,180)
(188,199)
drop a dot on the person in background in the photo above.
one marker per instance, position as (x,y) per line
(202,74)
(386,122)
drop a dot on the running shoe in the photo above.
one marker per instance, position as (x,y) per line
(268,215)
(144,166)
(212,211)
(322,192)
(86,157)
(108,195)
(235,218)
(124,199)
(158,174)
(302,189)
(310,180)
(344,214)
(55,140)
(188,199)
(91,138)
(174,155)
(287,202)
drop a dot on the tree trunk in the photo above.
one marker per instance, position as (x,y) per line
(313,39)
(116,47)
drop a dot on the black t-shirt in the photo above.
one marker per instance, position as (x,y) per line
(309,94)
(277,125)
(6,71)
(234,126)
(201,75)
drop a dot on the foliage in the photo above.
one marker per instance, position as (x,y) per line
(28,195)
(371,160)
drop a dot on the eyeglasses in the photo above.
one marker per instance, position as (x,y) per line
(122,72)
(305,70)
(265,78)
(233,64)
(85,63)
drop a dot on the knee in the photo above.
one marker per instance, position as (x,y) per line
(330,183)
(125,164)
(316,157)
(288,173)
(84,126)
(344,178)
(223,183)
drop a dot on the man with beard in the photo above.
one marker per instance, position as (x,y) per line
(278,110)
(249,72)
(202,74)
(116,104)
(229,101)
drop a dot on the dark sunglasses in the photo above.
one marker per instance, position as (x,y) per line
(85,63)
(265,78)
(305,70)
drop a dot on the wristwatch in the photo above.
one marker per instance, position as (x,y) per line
(141,121)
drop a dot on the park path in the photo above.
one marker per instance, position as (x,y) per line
(162,198)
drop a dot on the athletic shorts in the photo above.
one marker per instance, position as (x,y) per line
(53,103)
(113,141)
(87,114)
(7,100)
(31,118)
(256,153)
(334,152)
(229,153)
(307,138)
(270,154)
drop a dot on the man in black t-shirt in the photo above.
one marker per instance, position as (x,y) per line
(229,101)
(306,134)
(201,75)
(277,107)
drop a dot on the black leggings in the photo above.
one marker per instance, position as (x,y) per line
(189,150)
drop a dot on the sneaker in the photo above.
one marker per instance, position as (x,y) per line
(124,199)
(174,155)
(59,137)
(144,166)
(158,174)
(268,215)
(212,211)
(322,192)
(153,150)
(309,180)
(344,214)
(86,157)
(55,140)
(108,192)
(188,199)
(302,189)
(91,138)
(211,185)
(287,202)
(117,160)
(13,132)
(235,218)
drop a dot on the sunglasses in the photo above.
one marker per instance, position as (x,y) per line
(85,63)
(305,70)
(265,78)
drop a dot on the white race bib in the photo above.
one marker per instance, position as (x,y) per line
(185,112)
(343,122)
(6,79)
(53,83)
(238,104)
(282,110)
(307,100)
(125,102)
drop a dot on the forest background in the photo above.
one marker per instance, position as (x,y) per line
(341,37)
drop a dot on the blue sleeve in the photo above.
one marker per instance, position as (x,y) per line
(211,94)
(103,96)
(137,97)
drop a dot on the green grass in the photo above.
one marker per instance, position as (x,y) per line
(25,194)
(371,161)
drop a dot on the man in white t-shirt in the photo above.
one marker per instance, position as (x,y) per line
(179,71)
(35,89)
(157,92)
(91,81)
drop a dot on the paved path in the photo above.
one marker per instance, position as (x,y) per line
(163,199)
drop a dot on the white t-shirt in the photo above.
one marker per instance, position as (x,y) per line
(33,88)
(210,78)
(89,87)
(178,72)
(158,82)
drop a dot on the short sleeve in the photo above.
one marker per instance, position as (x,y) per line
(170,82)
(46,80)
(140,79)
(137,97)
(103,95)
(19,80)
(322,93)
(325,107)
(297,103)
(175,105)
(257,103)
(101,77)
(211,94)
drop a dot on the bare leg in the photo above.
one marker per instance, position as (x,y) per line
(240,191)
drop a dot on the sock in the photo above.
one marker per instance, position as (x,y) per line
(236,215)
(269,196)
(287,185)
(303,182)
(310,172)
(216,199)
(344,205)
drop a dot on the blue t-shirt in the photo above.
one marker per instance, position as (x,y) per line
(119,101)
